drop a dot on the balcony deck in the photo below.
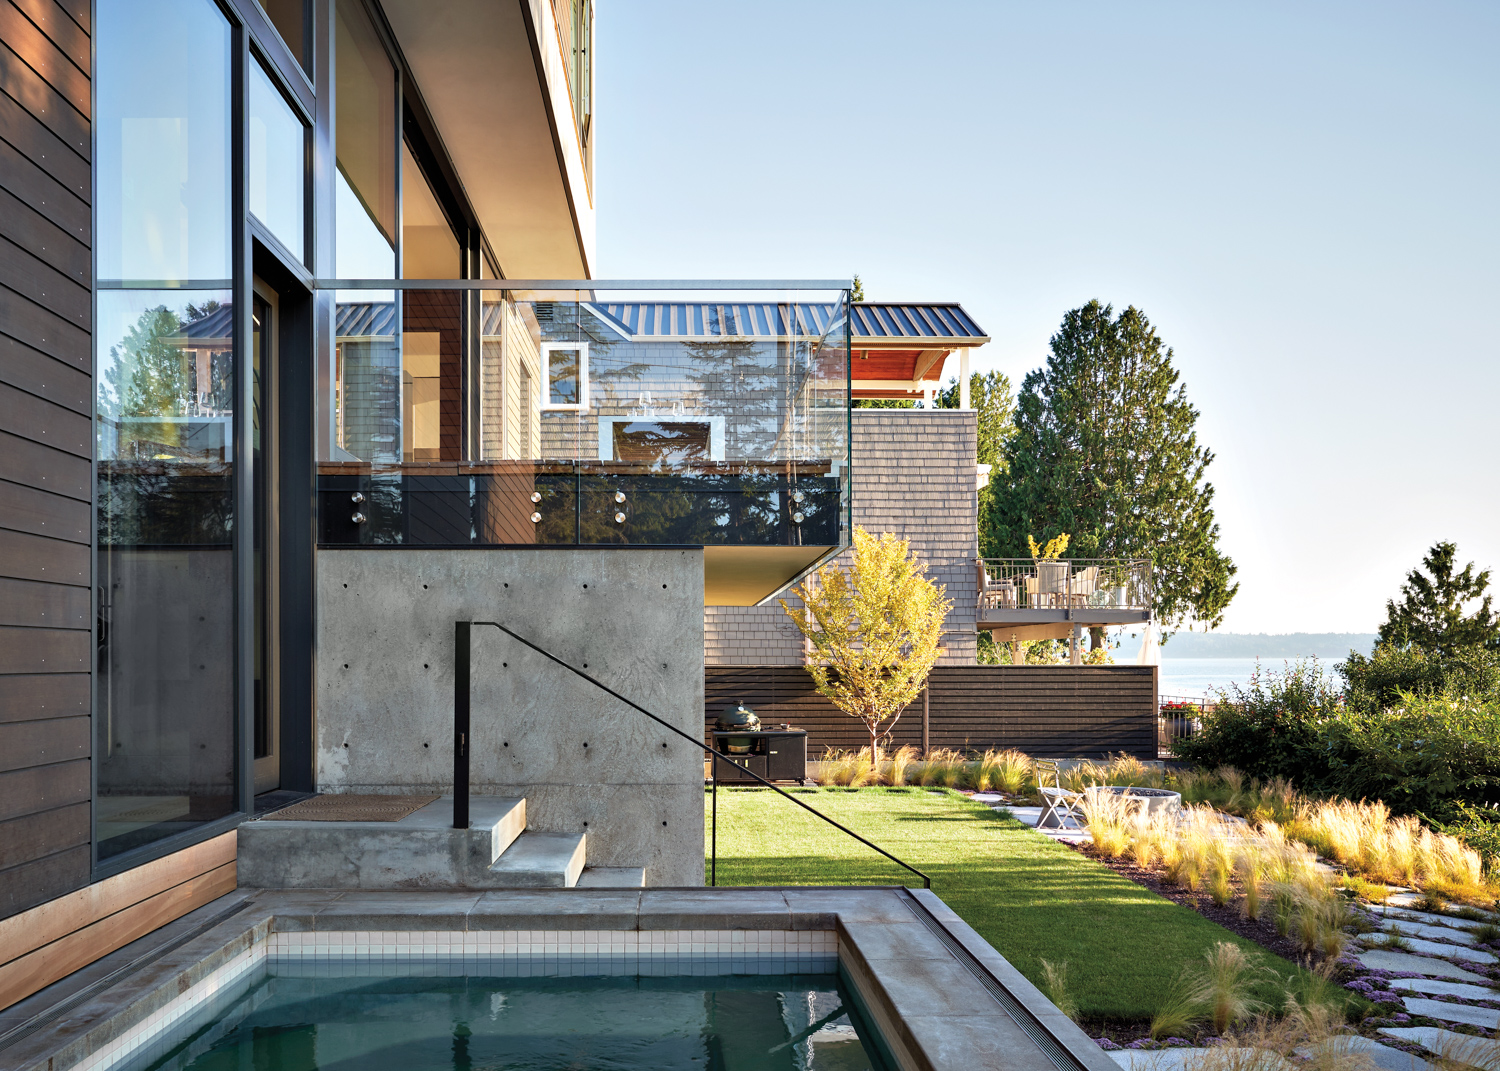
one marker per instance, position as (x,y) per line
(1024,599)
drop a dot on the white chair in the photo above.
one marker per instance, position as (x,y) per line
(1058,803)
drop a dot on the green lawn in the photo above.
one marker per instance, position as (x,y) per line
(1030,897)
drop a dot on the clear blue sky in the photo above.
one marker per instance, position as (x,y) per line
(1302,197)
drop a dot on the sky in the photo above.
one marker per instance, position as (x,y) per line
(1303,197)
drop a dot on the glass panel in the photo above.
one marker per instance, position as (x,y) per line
(366,134)
(290,19)
(710,420)
(163,141)
(428,248)
(278,147)
(165,425)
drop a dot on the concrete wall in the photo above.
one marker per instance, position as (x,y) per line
(913,474)
(583,761)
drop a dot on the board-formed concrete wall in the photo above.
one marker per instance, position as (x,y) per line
(584,761)
(913,473)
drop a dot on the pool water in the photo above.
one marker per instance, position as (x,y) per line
(291,1020)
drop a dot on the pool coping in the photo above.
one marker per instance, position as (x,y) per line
(939,994)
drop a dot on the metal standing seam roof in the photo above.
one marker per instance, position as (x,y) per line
(639,320)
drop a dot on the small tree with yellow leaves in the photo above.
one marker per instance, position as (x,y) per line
(874,630)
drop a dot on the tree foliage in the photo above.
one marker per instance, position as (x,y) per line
(1430,615)
(874,630)
(1105,448)
(994,405)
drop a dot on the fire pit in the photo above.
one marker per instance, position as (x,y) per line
(1150,800)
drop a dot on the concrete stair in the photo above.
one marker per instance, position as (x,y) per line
(421,851)
(612,877)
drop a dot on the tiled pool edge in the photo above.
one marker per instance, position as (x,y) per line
(929,1007)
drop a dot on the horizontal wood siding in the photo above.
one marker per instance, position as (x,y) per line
(69,932)
(46,483)
(1060,711)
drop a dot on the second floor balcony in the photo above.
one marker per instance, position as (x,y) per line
(1033,599)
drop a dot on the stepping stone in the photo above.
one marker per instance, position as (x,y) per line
(987,797)
(1467,1014)
(1433,1038)
(1438,987)
(1433,933)
(1427,917)
(1383,1056)
(1186,1059)
(1384,960)
(1435,948)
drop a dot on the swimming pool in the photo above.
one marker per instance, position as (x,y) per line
(786,978)
(318,1016)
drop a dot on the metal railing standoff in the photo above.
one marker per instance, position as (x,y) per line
(463,668)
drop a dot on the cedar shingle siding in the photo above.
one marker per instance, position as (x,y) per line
(46,398)
(912,474)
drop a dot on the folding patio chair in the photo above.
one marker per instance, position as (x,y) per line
(1058,803)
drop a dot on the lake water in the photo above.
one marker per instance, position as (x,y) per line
(1195,676)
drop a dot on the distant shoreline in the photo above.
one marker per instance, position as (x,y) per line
(1285,645)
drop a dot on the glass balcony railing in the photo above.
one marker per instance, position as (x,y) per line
(512,417)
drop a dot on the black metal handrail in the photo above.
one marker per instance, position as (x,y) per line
(461,738)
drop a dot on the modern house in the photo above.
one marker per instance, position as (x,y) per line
(305,381)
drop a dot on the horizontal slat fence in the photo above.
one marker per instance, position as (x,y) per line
(1054,711)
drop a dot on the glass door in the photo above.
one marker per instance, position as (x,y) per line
(263,532)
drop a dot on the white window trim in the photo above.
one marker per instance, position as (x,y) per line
(583,376)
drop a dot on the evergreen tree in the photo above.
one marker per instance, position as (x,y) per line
(1105,450)
(995,407)
(1431,615)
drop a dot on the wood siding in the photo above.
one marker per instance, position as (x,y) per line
(70,932)
(1051,711)
(45,451)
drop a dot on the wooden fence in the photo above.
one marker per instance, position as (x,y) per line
(1054,711)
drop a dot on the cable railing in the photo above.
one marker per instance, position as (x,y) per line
(463,668)
(1064,584)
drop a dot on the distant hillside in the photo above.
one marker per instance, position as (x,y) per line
(1264,645)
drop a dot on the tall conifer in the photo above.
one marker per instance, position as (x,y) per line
(1106,450)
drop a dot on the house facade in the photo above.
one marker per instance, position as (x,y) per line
(302,363)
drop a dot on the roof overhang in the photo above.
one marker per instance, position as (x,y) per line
(492,76)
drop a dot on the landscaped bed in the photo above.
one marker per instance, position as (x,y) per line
(1032,898)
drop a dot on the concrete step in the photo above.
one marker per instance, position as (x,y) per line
(540,861)
(421,851)
(612,877)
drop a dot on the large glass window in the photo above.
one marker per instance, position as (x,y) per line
(278,162)
(365,242)
(163,141)
(428,248)
(165,740)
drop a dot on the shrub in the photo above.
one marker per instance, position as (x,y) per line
(1012,769)
(1272,727)
(1391,673)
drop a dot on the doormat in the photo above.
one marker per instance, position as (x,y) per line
(340,807)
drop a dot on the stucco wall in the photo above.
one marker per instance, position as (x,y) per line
(913,474)
(583,761)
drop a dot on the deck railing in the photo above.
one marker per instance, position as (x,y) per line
(1064,584)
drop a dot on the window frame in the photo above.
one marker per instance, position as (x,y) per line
(545,351)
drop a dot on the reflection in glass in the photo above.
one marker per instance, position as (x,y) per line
(162,209)
(165,426)
(290,17)
(365,232)
(428,248)
(277,162)
(367,377)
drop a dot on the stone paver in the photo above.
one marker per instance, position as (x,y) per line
(1427,917)
(1431,933)
(1385,960)
(1383,1056)
(1185,1059)
(1436,948)
(1439,987)
(1433,1037)
(1031,815)
(1488,1018)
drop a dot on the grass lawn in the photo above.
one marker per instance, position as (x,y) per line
(1030,897)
